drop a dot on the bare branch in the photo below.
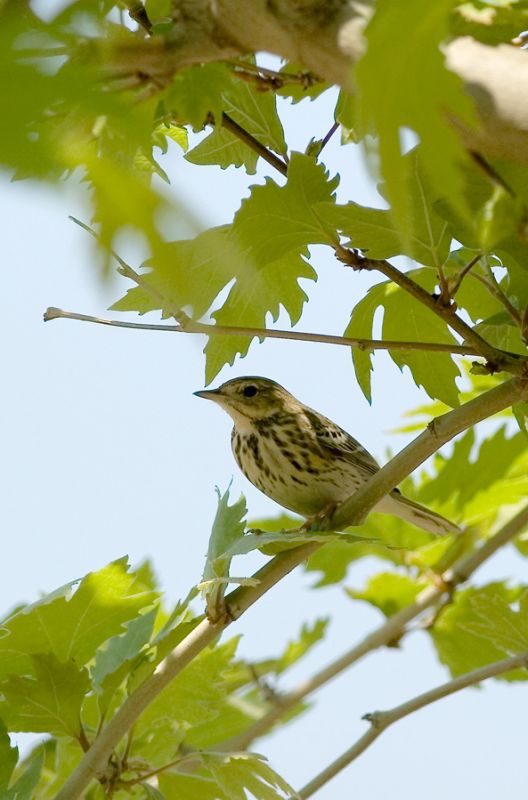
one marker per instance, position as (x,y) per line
(265,333)
(381,720)
(237,602)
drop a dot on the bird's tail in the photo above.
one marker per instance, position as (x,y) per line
(416,514)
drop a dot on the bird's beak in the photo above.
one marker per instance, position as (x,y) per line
(209,394)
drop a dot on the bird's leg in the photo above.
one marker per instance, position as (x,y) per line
(313,523)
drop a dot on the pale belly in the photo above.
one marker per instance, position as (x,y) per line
(300,482)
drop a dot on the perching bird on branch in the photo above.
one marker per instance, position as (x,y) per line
(301,459)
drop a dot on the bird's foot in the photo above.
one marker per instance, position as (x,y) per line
(317,521)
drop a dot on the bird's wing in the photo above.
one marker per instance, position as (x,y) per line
(334,439)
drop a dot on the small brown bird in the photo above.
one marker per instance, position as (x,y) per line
(301,459)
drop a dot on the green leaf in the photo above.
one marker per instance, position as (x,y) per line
(196,695)
(258,291)
(466,640)
(496,621)
(50,702)
(59,756)
(472,296)
(72,623)
(243,775)
(276,220)
(187,787)
(151,793)
(115,660)
(257,540)
(494,22)
(376,232)
(121,649)
(417,90)
(196,92)
(256,113)
(388,591)
(8,758)
(406,317)
(386,537)
(500,331)
(263,251)
(228,528)
(24,787)
(345,114)
(223,148)
(520,412)
(361,327)
(497,454)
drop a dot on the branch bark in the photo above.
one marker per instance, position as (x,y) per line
(381,720)
(237,602)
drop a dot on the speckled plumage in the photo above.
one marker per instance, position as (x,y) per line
(298,457)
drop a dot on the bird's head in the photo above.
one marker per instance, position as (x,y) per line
(250,398)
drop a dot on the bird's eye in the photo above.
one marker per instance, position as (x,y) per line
(249,391)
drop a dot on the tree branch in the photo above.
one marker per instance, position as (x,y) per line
(497,359)
(381,720)
(229,124)
(266,333)
(391,630)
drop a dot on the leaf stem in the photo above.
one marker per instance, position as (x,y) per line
(266,333)
(381,720)
(238,601)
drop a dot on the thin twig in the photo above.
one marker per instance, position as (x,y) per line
(266,333)
(463,272)
(328,136)
(128,272)
(306,78)
(381,720)
(494,288)
(497,359)
(229,124)
(392,629)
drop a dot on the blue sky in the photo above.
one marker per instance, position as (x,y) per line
(107,452)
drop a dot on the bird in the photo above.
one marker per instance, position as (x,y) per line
(300,458)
